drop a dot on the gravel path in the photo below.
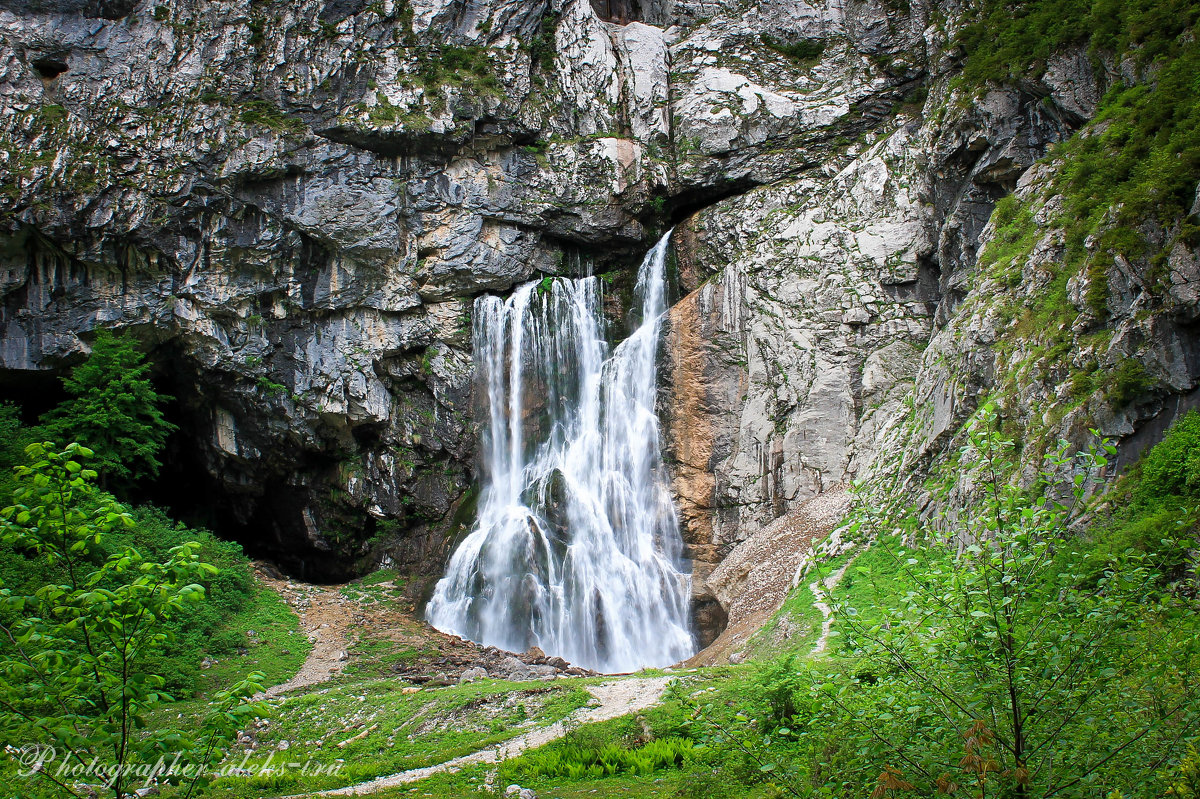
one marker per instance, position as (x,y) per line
(820,589)
(325,616)
(616,698)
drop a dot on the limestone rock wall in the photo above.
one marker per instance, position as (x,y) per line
(294,205)
(840,327)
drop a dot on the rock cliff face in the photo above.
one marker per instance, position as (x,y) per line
(294,203)
(852,321)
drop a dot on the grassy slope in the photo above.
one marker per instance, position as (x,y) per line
(405,727)
(277,649)
(404,730)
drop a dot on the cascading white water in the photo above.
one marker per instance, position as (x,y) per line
(577,546)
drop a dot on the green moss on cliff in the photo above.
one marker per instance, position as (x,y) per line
(1007,41)
(260,112)
(805,51)
(1118,192)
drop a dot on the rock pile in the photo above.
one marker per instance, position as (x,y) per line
(465,661)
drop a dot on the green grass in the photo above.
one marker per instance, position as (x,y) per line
(467,784)
(577,761)
(378,586)
(277,649)
(798,615)
(663,722)
(403,730)
(375,656)
(261,112)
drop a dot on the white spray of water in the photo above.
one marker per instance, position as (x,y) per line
(577,546)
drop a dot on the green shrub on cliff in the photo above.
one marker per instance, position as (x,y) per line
(1171,471)
(1156,511)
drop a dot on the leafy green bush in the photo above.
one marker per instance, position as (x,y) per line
(203,628)
(14,437)
(543,47)
(1128,382)
(1171,470)
(76,656)
(1157,509)
(1184,781)
(201,631)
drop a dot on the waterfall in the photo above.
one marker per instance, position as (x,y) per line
(576,548)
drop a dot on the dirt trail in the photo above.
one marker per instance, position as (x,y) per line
(617,698)
(325,617)
(329,618)
(820,590)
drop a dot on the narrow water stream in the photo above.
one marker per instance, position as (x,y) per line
(577,547)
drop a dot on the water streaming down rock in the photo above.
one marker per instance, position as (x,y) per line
(577,545)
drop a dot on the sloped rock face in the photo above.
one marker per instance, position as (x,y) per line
(826,291)
(813,326)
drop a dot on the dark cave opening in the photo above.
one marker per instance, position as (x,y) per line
(48,68)
(251,504)
(254,504)
(692,201)
(184,487)
(620,12)
(33,391)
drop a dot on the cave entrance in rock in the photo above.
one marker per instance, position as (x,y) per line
(32,391)
(620,12)
(252,504)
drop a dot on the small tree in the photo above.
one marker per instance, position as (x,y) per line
(72,654)
(1020,663)
(1002,656)
(115,410)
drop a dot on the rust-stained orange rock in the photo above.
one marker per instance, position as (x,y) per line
(691,428)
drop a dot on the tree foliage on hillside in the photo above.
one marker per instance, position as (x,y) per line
(75,652)
(114,409)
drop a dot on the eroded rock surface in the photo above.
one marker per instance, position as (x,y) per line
(294,205)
